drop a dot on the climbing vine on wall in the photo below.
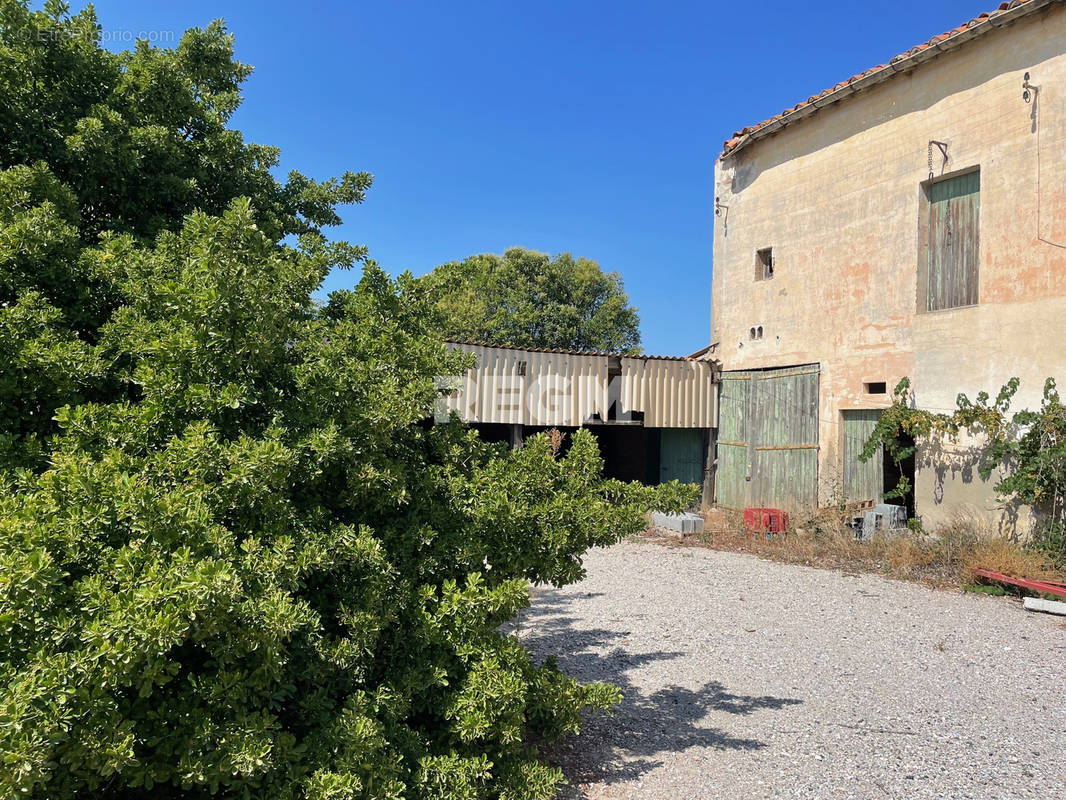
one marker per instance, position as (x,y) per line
(1028,447)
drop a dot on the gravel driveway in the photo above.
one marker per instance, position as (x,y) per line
(745,678)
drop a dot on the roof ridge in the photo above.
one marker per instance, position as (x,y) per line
(564,351)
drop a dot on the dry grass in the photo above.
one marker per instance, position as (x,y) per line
(820,539)
(1008,557)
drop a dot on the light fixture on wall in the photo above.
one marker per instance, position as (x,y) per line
(1029,91)
(722,210)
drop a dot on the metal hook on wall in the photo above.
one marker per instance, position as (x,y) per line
(943,147)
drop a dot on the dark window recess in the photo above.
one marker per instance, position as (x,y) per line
(521,368)
(876,387)
(755,333)
(764,264)
(951,242)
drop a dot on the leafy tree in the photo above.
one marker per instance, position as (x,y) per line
(529,299)
(92,141)
(233,561)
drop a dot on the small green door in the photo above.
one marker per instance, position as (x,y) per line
(862,480)
(681,455)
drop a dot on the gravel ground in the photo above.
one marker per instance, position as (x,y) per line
(745,678)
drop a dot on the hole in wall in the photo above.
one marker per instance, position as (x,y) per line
(764,264)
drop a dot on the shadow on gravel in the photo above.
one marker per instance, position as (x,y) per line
(644,728)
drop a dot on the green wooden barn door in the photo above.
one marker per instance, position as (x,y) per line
(862,481)
(681,455)
(730,477)
(768,438)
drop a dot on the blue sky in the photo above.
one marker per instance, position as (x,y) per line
(559,125)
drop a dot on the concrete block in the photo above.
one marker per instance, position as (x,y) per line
(882,517)
(682,523)
(1047,606)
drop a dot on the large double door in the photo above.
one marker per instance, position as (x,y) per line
(768,438)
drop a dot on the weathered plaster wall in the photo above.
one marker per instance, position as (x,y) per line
(837,197)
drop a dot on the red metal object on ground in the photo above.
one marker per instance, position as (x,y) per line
(1056,589)
(765,520)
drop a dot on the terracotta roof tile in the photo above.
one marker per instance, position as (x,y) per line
(738,136)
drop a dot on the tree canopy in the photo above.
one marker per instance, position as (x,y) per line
(529,299)
(234,560)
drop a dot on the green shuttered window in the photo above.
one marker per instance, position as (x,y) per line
(951,242)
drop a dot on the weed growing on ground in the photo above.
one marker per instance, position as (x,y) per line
(944,559)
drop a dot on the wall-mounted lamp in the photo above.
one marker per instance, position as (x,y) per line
(1028,90)
(718,207)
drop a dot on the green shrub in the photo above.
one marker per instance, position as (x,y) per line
(234,561)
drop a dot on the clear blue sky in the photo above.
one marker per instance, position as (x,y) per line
(559,125)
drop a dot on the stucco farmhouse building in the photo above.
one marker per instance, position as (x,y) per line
(909,221)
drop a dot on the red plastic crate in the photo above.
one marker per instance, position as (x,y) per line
(765,520)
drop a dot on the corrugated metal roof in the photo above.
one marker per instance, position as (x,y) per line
(981,24)
(523,387)
(566,388)
(671,394)
(568,352)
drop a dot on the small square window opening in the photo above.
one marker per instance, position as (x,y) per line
(876,387)
(764,264)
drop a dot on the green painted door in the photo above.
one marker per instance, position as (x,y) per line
(768,438)
(862,481)
(731,471)
(681,455)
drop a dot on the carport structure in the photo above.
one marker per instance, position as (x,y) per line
(654,416)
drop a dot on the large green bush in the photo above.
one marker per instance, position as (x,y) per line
(234,561)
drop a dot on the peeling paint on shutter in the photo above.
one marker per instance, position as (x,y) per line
(862,481)
(732,445)
(952,250)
